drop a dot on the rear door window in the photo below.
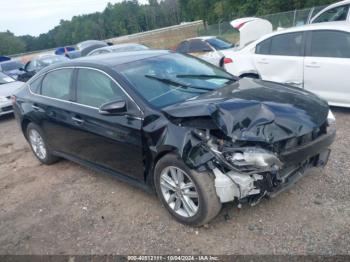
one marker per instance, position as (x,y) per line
(290,44)
(94,88)
(328,43)
(56,84)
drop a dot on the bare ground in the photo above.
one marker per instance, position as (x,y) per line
(68,209)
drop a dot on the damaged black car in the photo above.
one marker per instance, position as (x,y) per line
(178,126)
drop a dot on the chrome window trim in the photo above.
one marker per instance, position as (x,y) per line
(83,67)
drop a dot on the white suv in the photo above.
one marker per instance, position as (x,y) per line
(315,57)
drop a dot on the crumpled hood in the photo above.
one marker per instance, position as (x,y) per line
(254,110)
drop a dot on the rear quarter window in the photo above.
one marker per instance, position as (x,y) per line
(263,48)
(183,47)
(35,86)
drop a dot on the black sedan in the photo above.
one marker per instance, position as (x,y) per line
(168,122)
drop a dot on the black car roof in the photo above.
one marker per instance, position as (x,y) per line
(112,59)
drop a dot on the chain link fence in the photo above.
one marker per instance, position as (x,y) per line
(278,20)
(292,18)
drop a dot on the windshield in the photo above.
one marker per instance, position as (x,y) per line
(219,43)
(169,79)
(4,79)
(9,66)
(46,61)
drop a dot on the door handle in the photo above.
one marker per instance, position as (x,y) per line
(78,120)
(313,65)
(263,62)
(36,108)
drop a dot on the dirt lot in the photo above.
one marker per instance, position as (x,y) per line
(68,209)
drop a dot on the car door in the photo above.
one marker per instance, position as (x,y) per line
(201,49)
(281,58)
(50,108)
(327,65)
(113,142)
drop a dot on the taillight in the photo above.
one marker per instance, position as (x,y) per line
(239,26)
(227,60)
(13,99)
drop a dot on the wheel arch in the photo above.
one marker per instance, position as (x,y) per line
(163,152)
(24,124)
(252,74)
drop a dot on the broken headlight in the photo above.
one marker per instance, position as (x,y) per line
(331,122)
(330,118)
(252,158)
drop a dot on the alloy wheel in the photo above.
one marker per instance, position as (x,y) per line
(179,191)
(37,143)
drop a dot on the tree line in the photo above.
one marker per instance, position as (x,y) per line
(129,17)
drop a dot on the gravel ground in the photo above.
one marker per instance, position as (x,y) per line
(68,209)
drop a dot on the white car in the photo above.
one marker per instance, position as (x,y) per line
(208,48)
(212,48)
(314,57)
(335,12)
(7,87)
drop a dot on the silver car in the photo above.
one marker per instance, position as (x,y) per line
(118,48)
(7,87)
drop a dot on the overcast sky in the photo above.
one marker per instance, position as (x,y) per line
(39,16)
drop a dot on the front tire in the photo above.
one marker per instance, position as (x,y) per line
(189,196)
(39,145)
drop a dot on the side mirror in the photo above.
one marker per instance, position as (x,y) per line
(113,108)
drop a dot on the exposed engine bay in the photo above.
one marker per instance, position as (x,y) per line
(251,173)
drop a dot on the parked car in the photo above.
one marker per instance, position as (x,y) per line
(118,48)
(175,124)
(335,12)
(4,58)
(11,68)
(314,57)
(35,65)
(8,86)
(87,46)
(208,48)
(64,50)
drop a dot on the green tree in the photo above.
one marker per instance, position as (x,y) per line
(10,44)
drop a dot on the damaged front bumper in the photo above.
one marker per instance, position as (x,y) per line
(269,181)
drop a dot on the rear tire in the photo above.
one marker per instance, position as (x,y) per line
(39,145)
(190,197)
